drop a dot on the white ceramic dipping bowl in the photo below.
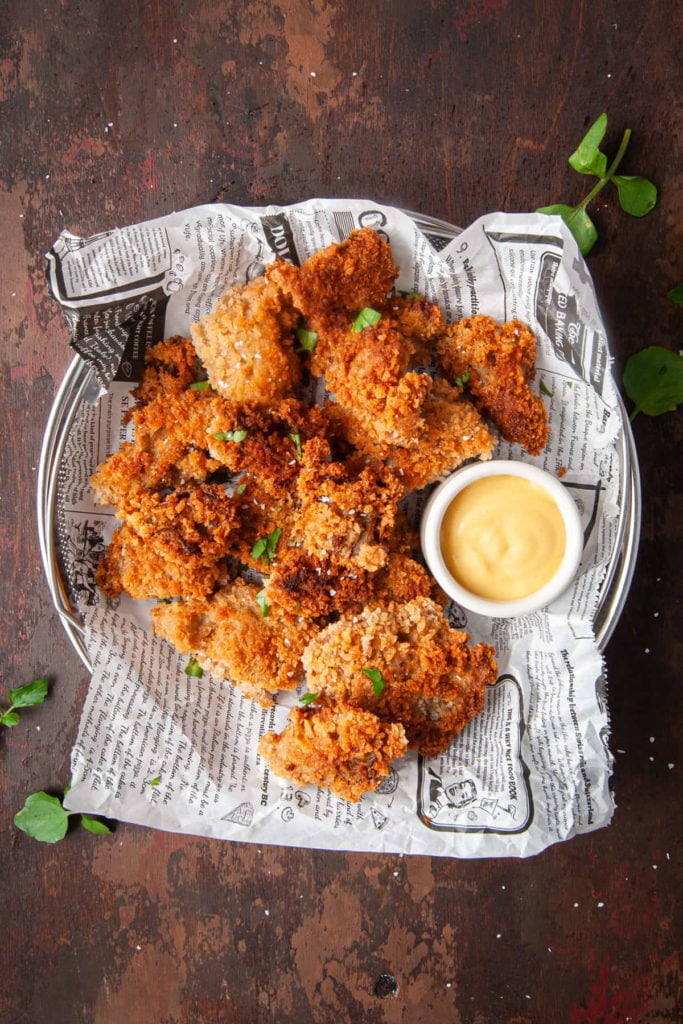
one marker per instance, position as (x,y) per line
(430,537)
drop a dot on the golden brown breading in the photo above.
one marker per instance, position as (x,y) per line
(453,432)
(231,637)
(170,366)
(173,546)
(500,359)
(433,683)
(339,281)
(170,449)
(336,747)
(401,579)
(315,586)
(246,344)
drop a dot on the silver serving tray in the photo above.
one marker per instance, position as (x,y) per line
(80,385)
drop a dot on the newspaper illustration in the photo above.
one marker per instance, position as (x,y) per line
(160,748)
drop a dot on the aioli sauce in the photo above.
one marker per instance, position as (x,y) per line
(503,537)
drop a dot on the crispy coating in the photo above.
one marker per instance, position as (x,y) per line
(337,282)
(246,344)
(170,366)
(315,586)
(231,638)
(433,682)
(500,359)
(170,449)
(173,546)
(453,432)
(335,746)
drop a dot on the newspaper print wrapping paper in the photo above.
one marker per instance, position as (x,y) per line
(160,748)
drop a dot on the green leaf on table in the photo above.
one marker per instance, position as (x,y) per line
(43,818)
(30,695)
(587,158)
(653,380)
(637,196)
(676,295)
(95,825)
(578,222)
(9,718)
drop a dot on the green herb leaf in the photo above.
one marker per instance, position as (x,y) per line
(43,818)
(578,222)
(308,698)
(95,825)
(9,718)
(193,668)
(366,318)
(241,488)
(155,781)
(544,389)
(587,158)
(377,680)
(231,435)
(460,382)
(201,385)
(296,438)
(307,339)
(262,603)
(653,380)
(265,548)
(30,695)
(637,196)
(676,295)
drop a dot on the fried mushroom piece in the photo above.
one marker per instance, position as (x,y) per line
(170,546)
(232,639)
(170,366)
(432,682)
(334,746)
(337,282)
(246,344)
(453,432)
(170,449)
(500,359)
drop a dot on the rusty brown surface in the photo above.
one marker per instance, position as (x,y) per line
(112,113)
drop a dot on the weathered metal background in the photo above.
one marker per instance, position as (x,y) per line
(113,113)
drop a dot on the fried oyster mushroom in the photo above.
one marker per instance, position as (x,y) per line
(231,638)
(335,746)
(423,673)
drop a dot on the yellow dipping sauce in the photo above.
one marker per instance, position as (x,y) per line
(503,537)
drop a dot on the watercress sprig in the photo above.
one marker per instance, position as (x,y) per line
(637,195)
(44,818)
(28,696)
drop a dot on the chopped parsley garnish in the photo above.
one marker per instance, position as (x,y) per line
(201,385)
(296,438)
(377,680)
(262,603)
(193,668)
(265,547)
(366,318)
(307,339)
(308,698)
(231,435)
(155,781)
(460,382)
(241,488)
(544,389)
